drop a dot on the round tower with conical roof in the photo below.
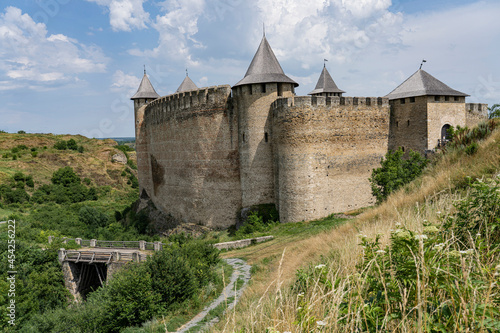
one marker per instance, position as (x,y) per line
(264,82)
(145,94)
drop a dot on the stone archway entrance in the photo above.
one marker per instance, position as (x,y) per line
(445,136)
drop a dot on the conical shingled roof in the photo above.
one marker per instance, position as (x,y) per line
(325,84)
(145,90)
(265,67)
(422,83)
(187,85)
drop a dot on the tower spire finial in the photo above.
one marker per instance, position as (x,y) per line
(144,69)
(324,62)
(263,29)
(422,63)
(187,72)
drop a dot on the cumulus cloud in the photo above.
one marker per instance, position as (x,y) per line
(125,82)
(125,15)
(177,27)
(27,53)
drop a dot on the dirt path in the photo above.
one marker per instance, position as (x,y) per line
(240,270)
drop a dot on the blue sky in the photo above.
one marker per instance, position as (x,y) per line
(70,66)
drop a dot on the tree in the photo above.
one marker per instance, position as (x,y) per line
(66,177)
(71,144)
(494,111)
(395,172)
(92,217)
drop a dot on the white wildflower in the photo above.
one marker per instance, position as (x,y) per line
(417,237)
(320,266)
(381,251)
(397,224)
(438,246)
(321,323)
(438,212)
(469,251)
(300,295)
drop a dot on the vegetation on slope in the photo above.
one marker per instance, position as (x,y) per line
(404,266)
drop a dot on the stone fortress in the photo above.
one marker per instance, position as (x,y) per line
(203,154)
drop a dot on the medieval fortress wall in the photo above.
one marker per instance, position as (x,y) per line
(190,141)
(204,154)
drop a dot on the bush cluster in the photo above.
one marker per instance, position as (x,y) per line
(14,190)
(395,172)
(69,144)
(66,187)
(138,292)
(444,278)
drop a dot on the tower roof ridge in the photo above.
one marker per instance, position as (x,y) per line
(422,83)
(265,67)
(187,85)
(146,89)
(325,84)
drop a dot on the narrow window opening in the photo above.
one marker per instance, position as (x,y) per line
(403,148)
(250,89)
(412,99)
(266,137)
(456,98)
(402,101)
(243,137)
(446,98)
(263,87)
(408,122)
(280,89)
(397,123)
(436,98)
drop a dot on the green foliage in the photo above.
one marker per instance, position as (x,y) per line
(39,280)
(472,148)
(462,137)
(71,144)
(81,149)
(478,214)
(494,111)
(93,217)
(21,132)
(65,176)
(124,148)
(61,145)
(395,172)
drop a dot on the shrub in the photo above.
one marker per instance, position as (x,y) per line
(71,144)
(472,148)
(21,132)
(81,149)
(61,145)
(65,176)
(395,172)
(92,217)
(34,154)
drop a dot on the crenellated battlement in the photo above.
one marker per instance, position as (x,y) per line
(477,108)
(187,103)
(333,101)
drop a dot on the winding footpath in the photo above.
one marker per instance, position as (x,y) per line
(240,270)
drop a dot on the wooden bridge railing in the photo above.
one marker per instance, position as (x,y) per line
(140,245)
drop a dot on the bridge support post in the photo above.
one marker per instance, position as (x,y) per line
(142,245)
(93,243)
(116,256)
(78,241)
(61,254)
(136,256)
(158,246)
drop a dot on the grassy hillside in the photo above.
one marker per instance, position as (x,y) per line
(94,163)
(403,266)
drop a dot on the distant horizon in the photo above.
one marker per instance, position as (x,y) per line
(86,58)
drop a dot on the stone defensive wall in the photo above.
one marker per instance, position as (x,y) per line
(191,140)
(324,151)
(475,113)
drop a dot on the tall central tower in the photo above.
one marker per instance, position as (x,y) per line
(264,82)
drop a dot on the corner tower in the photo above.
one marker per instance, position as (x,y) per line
(264,82)
(422,109)
(145,94)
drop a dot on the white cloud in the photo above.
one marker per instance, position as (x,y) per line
(125,15)
(125,83)
(27,53)
(177,28)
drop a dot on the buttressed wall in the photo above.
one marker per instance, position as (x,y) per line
(325,149)
(191,139)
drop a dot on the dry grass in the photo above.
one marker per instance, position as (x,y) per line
(269,303)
